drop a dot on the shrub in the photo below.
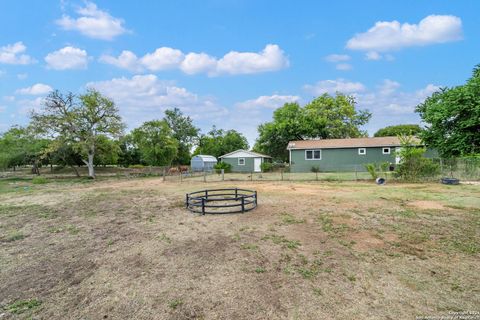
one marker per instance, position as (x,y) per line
(267,166)
(413,165)
(227,167)
(372,169)
(39,180)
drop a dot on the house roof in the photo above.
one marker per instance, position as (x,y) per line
(206,158)
(244,154)
(346,143)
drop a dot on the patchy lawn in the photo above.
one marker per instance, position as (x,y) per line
(127,249)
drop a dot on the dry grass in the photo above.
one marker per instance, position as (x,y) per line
(127,249)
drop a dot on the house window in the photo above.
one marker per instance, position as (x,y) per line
(362,151)
(241,161)
(386,150)
(313,154)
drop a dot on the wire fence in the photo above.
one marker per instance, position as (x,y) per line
(463,169)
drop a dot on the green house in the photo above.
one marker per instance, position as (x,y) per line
(343,154)
(245,161)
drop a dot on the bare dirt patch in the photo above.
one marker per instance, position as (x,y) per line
(128,249)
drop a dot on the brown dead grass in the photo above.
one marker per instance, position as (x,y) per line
(127,249)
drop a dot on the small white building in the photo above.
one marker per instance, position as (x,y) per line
(201,162)
(245,161)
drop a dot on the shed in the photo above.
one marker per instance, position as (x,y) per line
(203,162)
(245,161)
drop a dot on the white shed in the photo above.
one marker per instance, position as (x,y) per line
(203,162)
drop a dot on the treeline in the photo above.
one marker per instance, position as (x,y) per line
(88,130)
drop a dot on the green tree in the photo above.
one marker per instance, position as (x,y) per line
(452,118)
(325,117)
(398,130)
(22,146)
(155,141)
(218,142)
(185,133)
(80,122)
(107,151)
(129,153)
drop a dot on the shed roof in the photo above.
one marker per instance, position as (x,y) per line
(206,157)
(346,143)
(244,154)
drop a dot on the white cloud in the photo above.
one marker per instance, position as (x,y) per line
(344,66)
(36,89)
(145,97)
(389,100)
(333,86)
(375,56)
(14,54)
(163,58)
(270,102)
(337,57)
(28,105)
(271,58)
(22,76)
(94,23)
(67,58)
(3,108)
(198,63)
(392,35)
(126,60)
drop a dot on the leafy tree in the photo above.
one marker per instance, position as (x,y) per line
(398,130)
(80,122)
(325,117)
(129,153)
(107,151)
(218,142)
(185,133)
(452,117)
(155,141)
(21,146)
(63,154)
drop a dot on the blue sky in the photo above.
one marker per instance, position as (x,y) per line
(231,63)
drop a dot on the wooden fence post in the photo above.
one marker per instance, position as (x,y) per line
(164,174)
(223,174)
(204,176)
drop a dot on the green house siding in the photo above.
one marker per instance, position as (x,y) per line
(342,159)
(248,167)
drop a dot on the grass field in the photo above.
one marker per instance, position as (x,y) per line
(127,249)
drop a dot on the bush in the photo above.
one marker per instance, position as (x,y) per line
(413,165)
(372,169)
(39,180)
(377,169)
(227,167)
(267,166)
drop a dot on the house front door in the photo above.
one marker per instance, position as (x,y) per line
(256,164)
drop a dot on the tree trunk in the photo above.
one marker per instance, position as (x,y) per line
(90,166)
(76,171)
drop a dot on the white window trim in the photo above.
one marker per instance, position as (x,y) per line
(313,154)
(241,164)
(383,150)
(364,151)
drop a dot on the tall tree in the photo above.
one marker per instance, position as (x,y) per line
(81,122)
(452,118)
(218,142)
(399,130)
(155,141)
(184,131)
(325,117)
